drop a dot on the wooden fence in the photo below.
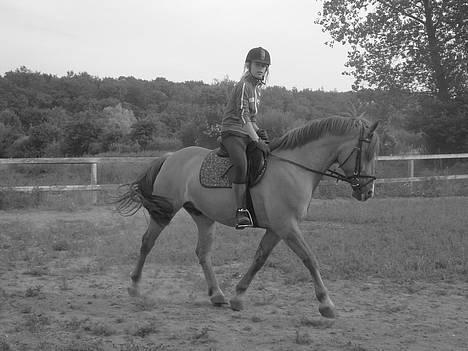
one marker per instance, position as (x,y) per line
(94,161)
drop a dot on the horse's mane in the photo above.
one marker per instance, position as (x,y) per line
(318,128)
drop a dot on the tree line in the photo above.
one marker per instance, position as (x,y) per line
(409,60)
(43,115)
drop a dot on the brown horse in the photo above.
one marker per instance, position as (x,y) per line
(299,160)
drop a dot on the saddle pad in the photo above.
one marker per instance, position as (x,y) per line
(214,171)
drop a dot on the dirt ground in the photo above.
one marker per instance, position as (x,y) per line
(50,309)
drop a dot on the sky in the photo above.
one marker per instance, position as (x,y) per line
(180,40)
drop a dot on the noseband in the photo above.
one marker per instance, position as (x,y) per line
(355,179)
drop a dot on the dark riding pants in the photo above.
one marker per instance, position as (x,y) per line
(236,146)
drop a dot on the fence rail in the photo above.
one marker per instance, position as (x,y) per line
(95,187)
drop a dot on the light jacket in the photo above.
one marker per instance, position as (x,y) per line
(242,106)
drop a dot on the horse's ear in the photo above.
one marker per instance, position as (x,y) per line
(373,127)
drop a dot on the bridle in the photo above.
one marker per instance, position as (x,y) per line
(355,179)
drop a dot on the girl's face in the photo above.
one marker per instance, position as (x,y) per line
(258,69)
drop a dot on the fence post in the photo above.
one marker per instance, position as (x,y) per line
(94,182)
(411,173)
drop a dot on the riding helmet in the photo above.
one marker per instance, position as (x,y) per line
(258,54)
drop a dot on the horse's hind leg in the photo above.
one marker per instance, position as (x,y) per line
(268,242)
(147,243)
(206,228)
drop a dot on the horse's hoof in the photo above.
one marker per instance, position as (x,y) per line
(327,311)
(218,300)
(133,292)
(236,304)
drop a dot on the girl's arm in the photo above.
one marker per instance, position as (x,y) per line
(252,131)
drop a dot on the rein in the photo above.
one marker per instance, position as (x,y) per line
(328,173)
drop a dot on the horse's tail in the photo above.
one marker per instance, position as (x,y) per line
(140,193)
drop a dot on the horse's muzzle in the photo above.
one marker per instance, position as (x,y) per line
(363,195)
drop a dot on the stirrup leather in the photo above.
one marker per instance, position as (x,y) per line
(243,212)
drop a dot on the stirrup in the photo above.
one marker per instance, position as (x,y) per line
(243,212)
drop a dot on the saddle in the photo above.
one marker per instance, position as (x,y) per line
(216,167)
(215,171)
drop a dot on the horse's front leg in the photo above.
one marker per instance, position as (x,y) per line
(296,242)
(268,242)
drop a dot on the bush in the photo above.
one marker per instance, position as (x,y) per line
(53,150)
(445,124)
(95,147)
(122,148)
(166,144)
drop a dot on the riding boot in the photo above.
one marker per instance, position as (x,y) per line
(243,217)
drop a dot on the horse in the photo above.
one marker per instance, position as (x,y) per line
(298,161)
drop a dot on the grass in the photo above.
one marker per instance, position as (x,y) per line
(4,345)
(303,337)
(398,238)
(63,174)
(411,238)
(98,328)
(144,330)
(35,322)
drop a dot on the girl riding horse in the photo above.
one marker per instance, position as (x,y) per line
(239,126)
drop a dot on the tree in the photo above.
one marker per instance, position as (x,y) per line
(39,138)
(79,134)
(419,45)
(10,118)
(143,132)
(119,117)
(10,131)
(445,124)
(8,136)
(277,122)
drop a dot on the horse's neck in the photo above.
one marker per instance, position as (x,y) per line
(318,154)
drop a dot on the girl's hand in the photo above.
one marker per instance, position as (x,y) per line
(263,146)
(262,133)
